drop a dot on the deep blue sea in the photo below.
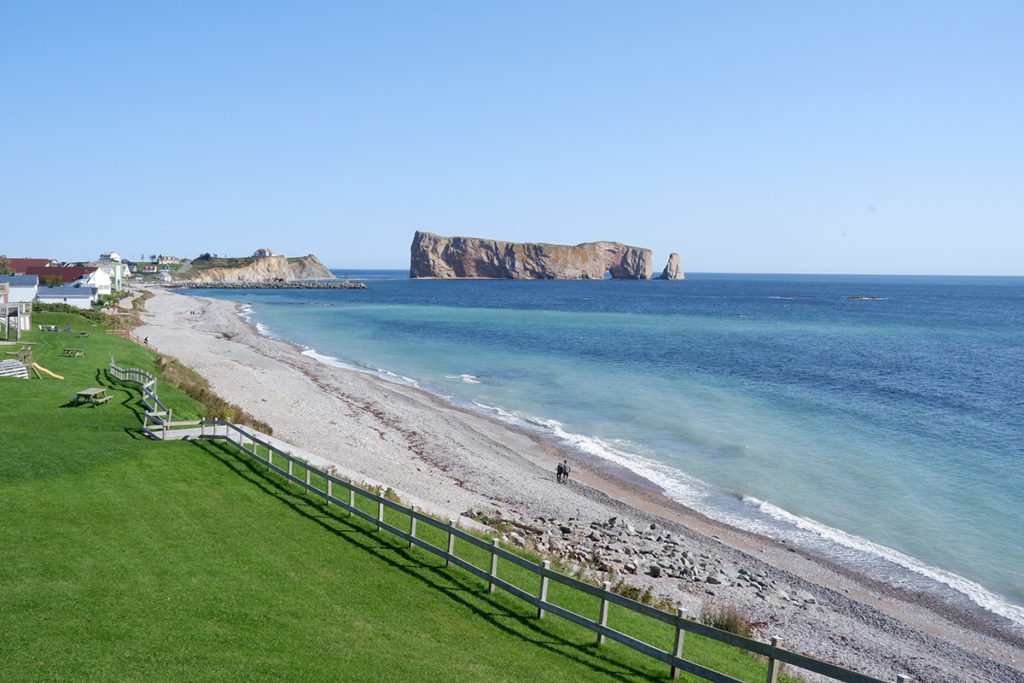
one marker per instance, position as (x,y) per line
(886,433)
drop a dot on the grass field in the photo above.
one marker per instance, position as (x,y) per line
(123,558)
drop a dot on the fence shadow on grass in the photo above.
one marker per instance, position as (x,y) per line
(454,584)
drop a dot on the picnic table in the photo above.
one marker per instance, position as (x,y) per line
(93,396)
(72,353)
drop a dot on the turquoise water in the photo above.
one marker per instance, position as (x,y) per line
(886,433)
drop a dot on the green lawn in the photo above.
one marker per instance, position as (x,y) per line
(125,558)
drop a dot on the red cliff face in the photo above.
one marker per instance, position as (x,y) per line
(436,256)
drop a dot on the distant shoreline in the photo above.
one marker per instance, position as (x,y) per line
(271,284)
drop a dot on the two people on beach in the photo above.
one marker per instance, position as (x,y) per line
(562,472)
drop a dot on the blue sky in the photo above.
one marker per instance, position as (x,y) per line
(805,137)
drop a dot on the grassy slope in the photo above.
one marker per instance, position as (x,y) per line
(124,558)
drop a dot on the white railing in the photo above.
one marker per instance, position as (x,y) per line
(155,411)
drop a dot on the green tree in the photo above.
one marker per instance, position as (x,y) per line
(5,266)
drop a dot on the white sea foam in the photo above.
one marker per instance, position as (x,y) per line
(681,487)
(377,372)
(975,592)
(246,313)
(467,379)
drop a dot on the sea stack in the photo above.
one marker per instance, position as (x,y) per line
(672,270)
(471,257)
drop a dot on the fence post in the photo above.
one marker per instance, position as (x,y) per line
(289,467)
(677,648)
(351,500)
(773,664)
(494,564)
(307,477)
(543,589)
(270,457)
(451,543)
(603,618)
(330,491)
(166,423)
(412,524)
(380,513)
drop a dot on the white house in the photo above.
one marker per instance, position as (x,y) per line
(79,297)
(21,289)
(100,280)
(110,256)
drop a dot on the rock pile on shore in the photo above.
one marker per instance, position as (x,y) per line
(617,549)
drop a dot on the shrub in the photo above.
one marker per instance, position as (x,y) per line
(88,313)
(726,618)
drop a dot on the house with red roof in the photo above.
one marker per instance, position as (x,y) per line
(19,265)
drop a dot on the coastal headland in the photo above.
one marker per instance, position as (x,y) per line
(451,461)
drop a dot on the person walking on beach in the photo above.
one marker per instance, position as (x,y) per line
(559,473)
(565,471)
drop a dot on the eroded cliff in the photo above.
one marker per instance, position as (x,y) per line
(447,257)
(264,269)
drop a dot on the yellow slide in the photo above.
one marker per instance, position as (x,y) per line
(40,368)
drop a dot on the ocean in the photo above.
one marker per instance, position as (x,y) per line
(875,420)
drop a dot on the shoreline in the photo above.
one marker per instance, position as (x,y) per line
(453,460)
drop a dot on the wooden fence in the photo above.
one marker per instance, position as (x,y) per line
(157,412)
(286,465)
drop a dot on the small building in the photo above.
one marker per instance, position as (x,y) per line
(260,253)
(99,279)
(79,297)
(164,276)
(20,288)
(149,268)
(116,271)
(168,260)
(110,256)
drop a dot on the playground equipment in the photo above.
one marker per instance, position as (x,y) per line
(39,368)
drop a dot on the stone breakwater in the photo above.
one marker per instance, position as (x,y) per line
(647,556)
(274,284)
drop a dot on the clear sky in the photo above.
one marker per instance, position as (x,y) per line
(804,137)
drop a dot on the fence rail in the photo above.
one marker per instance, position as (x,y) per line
(155,411)
(250,443)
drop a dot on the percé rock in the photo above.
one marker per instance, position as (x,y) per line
(268,268)
(672,269)
(447,257)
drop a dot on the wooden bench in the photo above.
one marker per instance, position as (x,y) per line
(72,353)
(102,399)
(83,333)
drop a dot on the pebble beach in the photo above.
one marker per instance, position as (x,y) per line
(452,462)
